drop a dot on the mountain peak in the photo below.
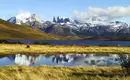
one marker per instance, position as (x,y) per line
(23,17)
(61,19)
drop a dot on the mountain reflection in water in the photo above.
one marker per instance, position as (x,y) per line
(63,60)
(21,59)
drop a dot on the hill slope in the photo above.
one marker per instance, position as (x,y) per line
(14,31)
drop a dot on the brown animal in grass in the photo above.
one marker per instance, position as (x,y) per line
(28,46)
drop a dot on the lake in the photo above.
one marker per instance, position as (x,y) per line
(76,42)
(63,59)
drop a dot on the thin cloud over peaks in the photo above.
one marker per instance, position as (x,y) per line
(103,14)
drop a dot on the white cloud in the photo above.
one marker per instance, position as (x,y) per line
(103,14)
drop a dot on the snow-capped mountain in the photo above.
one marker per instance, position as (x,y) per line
(101,29)
(24,17)
(68,27)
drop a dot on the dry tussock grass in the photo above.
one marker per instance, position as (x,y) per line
(61,73)
(21,48)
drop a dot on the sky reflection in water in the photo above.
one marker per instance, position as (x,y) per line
(62,60)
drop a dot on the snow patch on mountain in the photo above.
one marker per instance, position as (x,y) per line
(24,17)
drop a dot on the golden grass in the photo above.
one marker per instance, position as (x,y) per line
(41,49)
(62,73)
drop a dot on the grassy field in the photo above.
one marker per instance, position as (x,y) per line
(41,49)
(62,73)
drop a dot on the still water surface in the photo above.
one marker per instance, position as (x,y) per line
(62,60)
(76,42)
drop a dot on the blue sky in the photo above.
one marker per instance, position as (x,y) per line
(49,8)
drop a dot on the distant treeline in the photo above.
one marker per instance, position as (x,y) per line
(6,41)
(109,38)
(40,42)
(18,42)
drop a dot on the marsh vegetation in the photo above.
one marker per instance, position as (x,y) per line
(62,73)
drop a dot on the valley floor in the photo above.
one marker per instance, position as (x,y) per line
(42,49)
(62,73)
